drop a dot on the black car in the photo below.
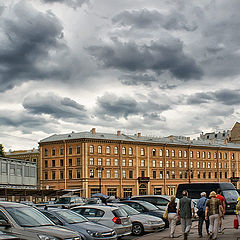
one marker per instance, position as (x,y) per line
(146,208)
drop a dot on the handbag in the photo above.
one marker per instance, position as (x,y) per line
(235,223)
(165,215)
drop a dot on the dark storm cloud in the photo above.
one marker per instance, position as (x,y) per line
(71,3)
(156,56)
(29,42)
(55,106)
(138,79)
(116,107)
(145,18)
(224,96)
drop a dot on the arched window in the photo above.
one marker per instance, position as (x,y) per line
(108,150)
(154,152)
(167,163)
(124,150)
(99,149)
(91,149)
(142,152)
(173,153)
(45,151)
(115,150)
(167,153)
(203,154)
(130,151)
(69,150)
(61,150)
(160,152)
(179,153)
(198,154)
(209,155)
(53,151)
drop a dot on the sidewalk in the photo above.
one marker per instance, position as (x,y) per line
(229,233)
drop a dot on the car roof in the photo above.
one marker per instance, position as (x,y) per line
(12,204)
(96,206)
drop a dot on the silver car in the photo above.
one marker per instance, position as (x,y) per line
(109,216)
(141,222)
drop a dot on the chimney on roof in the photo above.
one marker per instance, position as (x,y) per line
(139,135)
(226,141)
(188,139)
(93,131)
(119,133)
(171,137)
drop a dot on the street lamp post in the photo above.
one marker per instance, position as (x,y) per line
(189,172)
(100,169)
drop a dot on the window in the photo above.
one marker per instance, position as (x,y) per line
(180,175)
(108,162)
(19,170)
(12,169)
(220,155)
(215,155)
(124,151)
(91,173)
(198,164)
(142,152)
(209,174)
(154,174)
(191,154)
(209,155)
(191,164)
(116,173)
(215,174)
(167,163)
(53,175)
(173,164)
(204,174)
(179,153)
(46,163)
(91,161)
(46,175)
(70,162)
(215,165)
(99,173)
(108,150)
(99,162)
(154,152)
(209,165)
(161,175)
(225,165)
(115,150)
(225,155)
(160,153)
(91,149)
(180,164)
(115,162)
(226,175)
(130,174)
(61,162)
(173,175)
(161,164)
(61,151)
(61,175)
(198,174)
(78,173)
(220,165)
(108,173)
(53,151)
(45,152)
(78,162)
(167,174)
(232,156)
(167,153)
(53,163)
(185,154)
(130,162)
(124,162)
(130,151)
(198,154)
(69,150)
(78,149)
(173,153)
(233,165)
(220,174)
(203,164)
(154,163)
(142,163)
(99,149)
(124,175)
(70,174)
(185,164)
(186,175)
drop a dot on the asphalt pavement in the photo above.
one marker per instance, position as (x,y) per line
(228,233)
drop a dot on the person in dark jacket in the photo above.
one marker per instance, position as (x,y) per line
(185,210)
(172,215)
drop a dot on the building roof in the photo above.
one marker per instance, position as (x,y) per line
(22,152)
(17,160)
(173,140)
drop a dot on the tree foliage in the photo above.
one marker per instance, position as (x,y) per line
(2,154)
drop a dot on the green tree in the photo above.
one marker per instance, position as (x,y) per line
(2,154)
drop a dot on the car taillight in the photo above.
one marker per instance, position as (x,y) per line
(117,220)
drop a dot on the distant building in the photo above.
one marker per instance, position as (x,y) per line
(216,135)
(32,155)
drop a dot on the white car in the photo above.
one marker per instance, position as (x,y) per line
(109,216)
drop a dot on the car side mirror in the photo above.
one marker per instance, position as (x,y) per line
(4,223)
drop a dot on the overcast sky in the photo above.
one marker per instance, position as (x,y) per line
(157,67)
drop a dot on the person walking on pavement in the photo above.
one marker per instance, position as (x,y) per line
(223,202)
(213,206)
(185,210)
(201,206)
(172,215)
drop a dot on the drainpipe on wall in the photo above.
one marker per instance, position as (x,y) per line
(65,164)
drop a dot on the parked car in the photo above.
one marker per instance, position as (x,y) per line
(4,236)
(28,223)
(69,201)
(141,223)
(112,217)
(87,229)
(146,208)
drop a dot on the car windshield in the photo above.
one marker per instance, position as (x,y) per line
(230,195)
(149,206)
(64,200)
(129,210)
(71,217)
(28,217)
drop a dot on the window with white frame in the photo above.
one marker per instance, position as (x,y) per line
(91,173)
(167,163)
(124,162)
(203,154)
(180,164)
(220,165)
(142,163)
(225,155)
(220,155)
(108,149)
(124,175)
(115,162)
(161,175)
(130,162)
(233,165)
(173,153)
(173,175)
(108,174)
(108,162)
(180,153)
(91,161)
(142,152)
(209,165)
(130,151)
(180,175)
(91,149)
(160,153)
(99,173)
(99,161)
(191,154)
(124,151)
(167,153)
(209,155)
(203,164)
(225,165)
(198,164)
(185,154)
(99,149)
(198,154)
(232,156)
(161,164)
(154,163)
(215,155)
(115,150)
(154,152)
(215,165)
(185,164)
(173,164)
(116,173)
(167,174)
(191,164)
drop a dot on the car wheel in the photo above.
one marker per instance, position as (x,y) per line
(137,229)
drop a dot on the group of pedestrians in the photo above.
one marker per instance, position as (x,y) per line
(211,211)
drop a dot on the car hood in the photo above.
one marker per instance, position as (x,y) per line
(60,232)
(144,217)
(90,226)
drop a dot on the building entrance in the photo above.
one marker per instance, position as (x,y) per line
(143,189)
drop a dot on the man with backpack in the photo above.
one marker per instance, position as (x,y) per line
(201,206)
